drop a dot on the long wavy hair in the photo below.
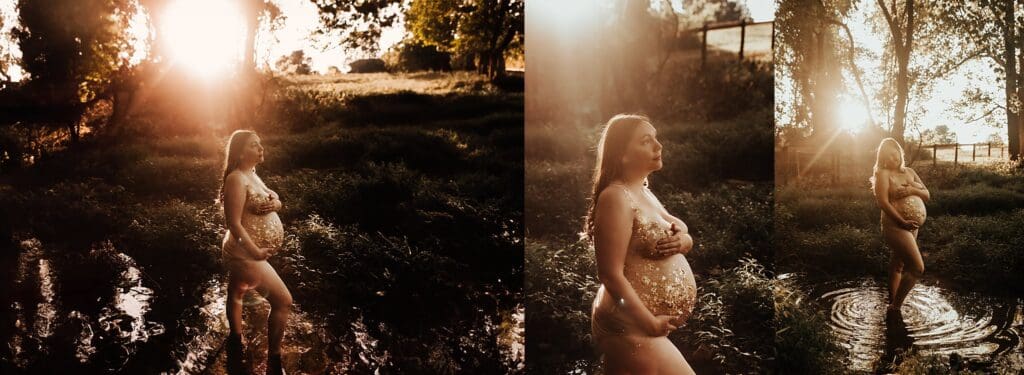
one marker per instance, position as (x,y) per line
(888,142)
(232,157)
(615,137)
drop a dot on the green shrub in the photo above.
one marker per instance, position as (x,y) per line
(733,321)
(834,251)
(560,289)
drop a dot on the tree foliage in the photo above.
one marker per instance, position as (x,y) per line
(295,63)
(75,49)
(359,23)
(992,30)
(482,29)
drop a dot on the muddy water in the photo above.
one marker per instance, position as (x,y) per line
(974,330)
(113,327)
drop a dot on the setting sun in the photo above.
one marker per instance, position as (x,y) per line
(205,37)
(852,115)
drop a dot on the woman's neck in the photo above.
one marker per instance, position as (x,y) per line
(635,181)
(247,168)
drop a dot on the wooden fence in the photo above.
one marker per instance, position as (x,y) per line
(986,153)
(742,25)
(794,164)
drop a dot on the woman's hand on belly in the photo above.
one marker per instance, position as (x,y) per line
(662,325)
(262,253)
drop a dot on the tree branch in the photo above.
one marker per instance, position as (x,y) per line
(894,29)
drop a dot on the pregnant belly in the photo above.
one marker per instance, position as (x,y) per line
(666,286)
(265,230)
(912,208)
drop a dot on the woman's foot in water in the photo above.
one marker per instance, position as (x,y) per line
(893,312)
(235,350)
(274,365)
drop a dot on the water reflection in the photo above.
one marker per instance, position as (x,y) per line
(127,323)
(934,322)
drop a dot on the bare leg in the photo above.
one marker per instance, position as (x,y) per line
(895,271)
(239,280)
(904,246)
(236,291)
(280,305)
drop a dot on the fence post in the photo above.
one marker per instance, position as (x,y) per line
(935,155)
(974,152)
(743,36)
(956,154)
(800,171)
(990,149)
(704,47)
(835,168)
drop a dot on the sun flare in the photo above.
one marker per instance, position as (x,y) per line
(206,37)
(852,116)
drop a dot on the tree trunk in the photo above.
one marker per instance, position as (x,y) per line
(903,76)
(903,44)
(1010,56)
(250,10)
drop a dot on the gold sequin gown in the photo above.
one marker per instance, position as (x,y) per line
(664,285)
(266,230)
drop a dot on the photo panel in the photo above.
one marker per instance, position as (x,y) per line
(898,176)
(649,187)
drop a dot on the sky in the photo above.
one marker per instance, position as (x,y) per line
(761,10)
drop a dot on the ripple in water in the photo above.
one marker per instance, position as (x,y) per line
(937,322)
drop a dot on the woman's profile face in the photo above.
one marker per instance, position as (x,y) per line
(644,151)
(252,152)
(892,157)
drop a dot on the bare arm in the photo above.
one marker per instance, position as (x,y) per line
(881,191)
(234,204)
(921,191)
(612,231)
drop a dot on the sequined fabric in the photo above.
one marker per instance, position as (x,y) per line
(665,285)
(912,207)
(909,206)
(266,230)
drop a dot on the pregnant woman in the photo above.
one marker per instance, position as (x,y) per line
(647,287)
(254,234)
(900,195)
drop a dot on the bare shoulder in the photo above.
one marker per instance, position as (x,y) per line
(912,171)
(236,179)
(882,174)
(612,199)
